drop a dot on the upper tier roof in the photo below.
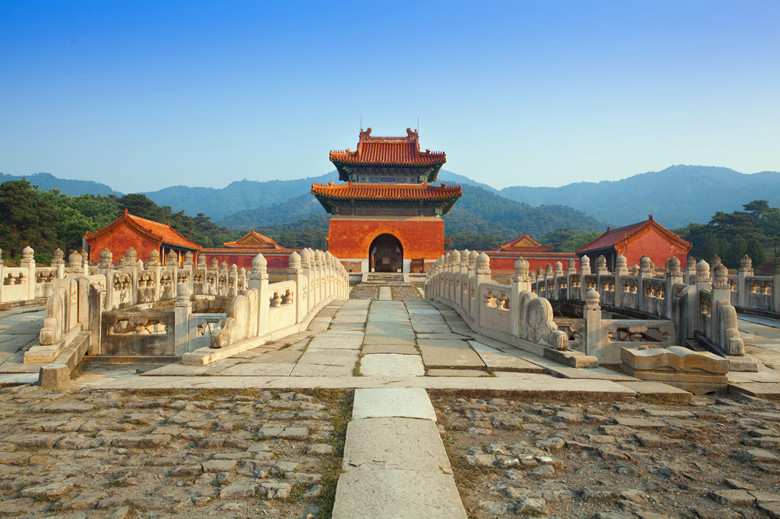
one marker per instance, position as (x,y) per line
(160,232)
(525,243)
(394,151)
(446,195)
(621,236)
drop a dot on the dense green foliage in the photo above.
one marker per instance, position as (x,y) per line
(733,235)
(566,240)
(47,220)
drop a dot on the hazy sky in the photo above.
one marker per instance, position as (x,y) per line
(143,95)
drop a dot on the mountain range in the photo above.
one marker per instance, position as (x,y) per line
(675,196)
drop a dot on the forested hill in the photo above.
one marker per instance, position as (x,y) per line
(675,196)
(478,211)
(47,181)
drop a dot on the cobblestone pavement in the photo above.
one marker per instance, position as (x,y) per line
(400,292)
(195,454)
(711,458)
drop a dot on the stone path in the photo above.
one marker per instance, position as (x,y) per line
(19,328)
(394,461)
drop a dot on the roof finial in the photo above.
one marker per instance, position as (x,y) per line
(651,217)
(125,210)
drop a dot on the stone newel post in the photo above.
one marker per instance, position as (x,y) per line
(594,334)
(674,276)
(28,263)
(295,273)
(258,279)
(182,313)
(521,283)
(463,298)
(745,273)
(584,271)
(483,275)
(776,286)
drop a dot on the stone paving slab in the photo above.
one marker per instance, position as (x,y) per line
(282,369)
(326,363)
(329,343)
(444,372)
(346,326)
(386,494)
(446,354)
(532,383)
(401,349)
(385,294)
(394,443)
(497,360)
(757,389)
(391,365)
(392,402)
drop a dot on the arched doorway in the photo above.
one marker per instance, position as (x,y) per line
(386,254)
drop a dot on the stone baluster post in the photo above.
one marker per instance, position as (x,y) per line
(463,299)
(105,268)
(189,268)
(306,278)
(131,266)
(295,273)
(2,275)
(521,283)
(224,279)
(242,279)
(539,281)
(558,280)
(703,283)
(720,292)
(674,276)
(57,263)
(28,264)
(571,270)
(646,271)
(182,315)
(690,271)
(172,265)
(454,275)
(483,275)
(214,271)
(472,285)
(258,280)
(155,270)
(84,262)
(584,271)
(233,280)
(594,333)
(601,271)
(621,271)
(743,283)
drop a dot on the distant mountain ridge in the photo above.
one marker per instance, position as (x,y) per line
(47,181)
(675,196)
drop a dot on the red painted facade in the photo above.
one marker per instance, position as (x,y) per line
(420,237)
(119,240)
(277,259)
(505,263)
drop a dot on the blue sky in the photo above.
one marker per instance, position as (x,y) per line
(143,95)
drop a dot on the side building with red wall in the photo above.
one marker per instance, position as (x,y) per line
(634,241)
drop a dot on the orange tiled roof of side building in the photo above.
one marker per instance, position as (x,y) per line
(159,231)
(389,150)
(615,236)
(525,243)
(387,192)
(252,240)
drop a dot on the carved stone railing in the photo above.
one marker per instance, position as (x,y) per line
(511,313)
(691,304)
(263,311)
(29,281)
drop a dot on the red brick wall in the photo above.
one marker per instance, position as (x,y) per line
(275,262)
(656,247)
(351,238)
(118,241)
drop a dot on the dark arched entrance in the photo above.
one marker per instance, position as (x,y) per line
(386,254)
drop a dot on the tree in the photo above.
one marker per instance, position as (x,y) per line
(26,218)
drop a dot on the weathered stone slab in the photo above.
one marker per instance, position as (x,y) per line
(335,343)
(394,443)
(326,363)
(401,349)
(397,493)
(443,372)
(674,358)
(54,376)
(497,360)
(444,354)
(657,390)
(249,369)
(392,365)
(392,402)
(385,294)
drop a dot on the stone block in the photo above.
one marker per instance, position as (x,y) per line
(54,376)
(392,365)
(698,372)
(392,402)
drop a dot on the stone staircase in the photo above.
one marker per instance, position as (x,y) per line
(385,278)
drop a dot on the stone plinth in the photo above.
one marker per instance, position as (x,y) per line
(697,372)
